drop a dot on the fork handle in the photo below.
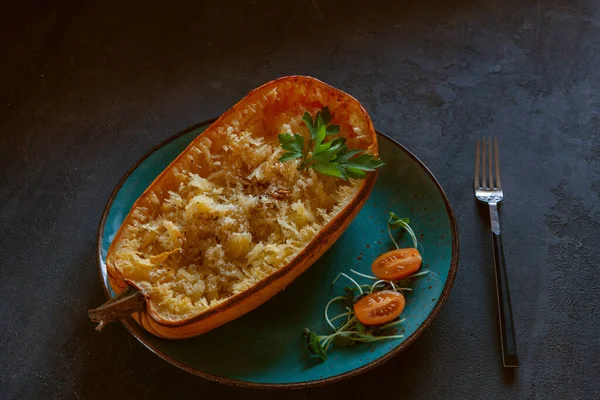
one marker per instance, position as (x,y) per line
(507,328)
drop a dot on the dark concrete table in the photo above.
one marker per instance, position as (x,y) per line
(86,89)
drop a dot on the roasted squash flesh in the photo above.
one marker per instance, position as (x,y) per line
(226,216)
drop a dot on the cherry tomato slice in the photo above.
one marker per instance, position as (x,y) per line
(379,307)
(397,264)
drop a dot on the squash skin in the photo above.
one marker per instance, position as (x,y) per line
(296,89)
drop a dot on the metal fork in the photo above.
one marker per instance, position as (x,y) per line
(488,189)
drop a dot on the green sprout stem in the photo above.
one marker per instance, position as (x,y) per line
(377,338)
(341,315)
(352,280)
(364,275)
(393,323)
(392,236)
(368,287)
(418,274)
(328,339)
(378,283)
(411,233)
(327,310)
(404,226)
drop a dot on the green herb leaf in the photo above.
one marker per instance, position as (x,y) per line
(314,345)
(293,143)
(329,168)
(366,162)
(285,139)
(309,124)
(321,132)
(355,173)
(349,293)
(343,340)
(319,121)
(360,327)
(322,147)
(344,156)
(326,115)
(396,222)
(333,129)
(324,157)
(289,156)
(332,158)
(339,145)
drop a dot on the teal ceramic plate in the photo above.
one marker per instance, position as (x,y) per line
(265,348)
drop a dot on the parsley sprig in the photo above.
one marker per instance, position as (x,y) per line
(333,157)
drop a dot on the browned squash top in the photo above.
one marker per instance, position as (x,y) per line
(226,213)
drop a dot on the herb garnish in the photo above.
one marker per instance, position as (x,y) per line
(332,158)
(351,330)
(397,222)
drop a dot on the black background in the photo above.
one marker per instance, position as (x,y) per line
(86,88)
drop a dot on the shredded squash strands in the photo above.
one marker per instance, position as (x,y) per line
(201,241)
(219,235)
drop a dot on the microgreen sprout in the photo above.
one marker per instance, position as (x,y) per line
(364,275)
(347,334)
(396,222)
(417,275)
(352,280)
(379,282)
(352,331)
(393,323)
(338,298)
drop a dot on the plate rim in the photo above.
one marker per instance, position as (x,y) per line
(128,322)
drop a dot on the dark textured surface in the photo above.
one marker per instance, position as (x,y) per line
(87,88)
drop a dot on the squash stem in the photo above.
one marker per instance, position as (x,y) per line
(126,303)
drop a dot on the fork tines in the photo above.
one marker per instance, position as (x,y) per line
(487,155)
